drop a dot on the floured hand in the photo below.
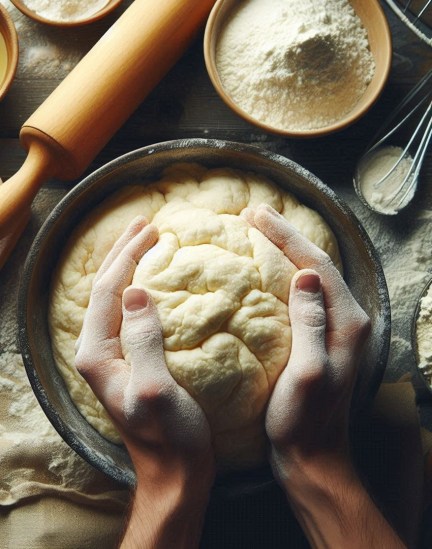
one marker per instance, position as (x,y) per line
(308,412)
(163,428)
(309,408)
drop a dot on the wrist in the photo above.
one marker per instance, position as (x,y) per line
(168,506)
(332,505)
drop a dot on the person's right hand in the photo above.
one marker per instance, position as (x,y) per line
(308,413)
(309,408)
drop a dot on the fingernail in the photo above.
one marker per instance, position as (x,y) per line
(134,299)
(309,282)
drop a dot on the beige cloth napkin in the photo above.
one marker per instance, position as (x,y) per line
(50,498)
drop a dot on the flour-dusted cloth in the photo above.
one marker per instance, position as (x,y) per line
(49,496)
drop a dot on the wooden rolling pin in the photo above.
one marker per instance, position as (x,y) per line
(75,122)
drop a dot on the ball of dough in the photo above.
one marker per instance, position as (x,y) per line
(221,290)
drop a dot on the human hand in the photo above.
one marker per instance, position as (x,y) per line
(164,429)
(308,411)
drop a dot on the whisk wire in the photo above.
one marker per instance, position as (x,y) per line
(417,161)
(412,20)
(418,88)
(415,90)
(422,11)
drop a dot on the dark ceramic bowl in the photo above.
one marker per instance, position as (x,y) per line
(363,274)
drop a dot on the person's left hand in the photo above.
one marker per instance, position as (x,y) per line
(164,429)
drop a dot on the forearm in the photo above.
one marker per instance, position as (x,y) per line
(165,515)
(335,510)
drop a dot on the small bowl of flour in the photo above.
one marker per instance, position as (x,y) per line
(298,68)
(66,13)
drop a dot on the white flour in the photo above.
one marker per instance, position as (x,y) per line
(424,335)
(404,246)
(295,64)
(389,169)
(42,55)
(65,10)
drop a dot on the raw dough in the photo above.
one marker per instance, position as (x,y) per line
(220,286)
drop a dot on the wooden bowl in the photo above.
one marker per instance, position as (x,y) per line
(362,271)
(108,8)
(8,31)
(373,20)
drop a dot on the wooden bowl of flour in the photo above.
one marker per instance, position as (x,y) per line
(292,74)
(362,271)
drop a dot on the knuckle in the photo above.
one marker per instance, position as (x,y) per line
(314,315)
(360,324)
(308,311)
(311,374)
(84,363)
(323,260)
(148,337)
(99,286)
(155,394)
(365,324)
(103,286)
(150,399)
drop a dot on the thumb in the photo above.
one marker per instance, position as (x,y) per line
(142,335)
(308,322)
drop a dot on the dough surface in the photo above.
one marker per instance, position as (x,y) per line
(220,286)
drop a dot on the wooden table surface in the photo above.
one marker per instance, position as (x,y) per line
(186,105)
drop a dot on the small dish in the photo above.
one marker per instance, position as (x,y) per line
(425,376)
(9,35)
(373,20)
(106,8)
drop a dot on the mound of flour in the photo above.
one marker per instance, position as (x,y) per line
(295,64)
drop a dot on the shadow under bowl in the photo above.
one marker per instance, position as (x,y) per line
(363,274)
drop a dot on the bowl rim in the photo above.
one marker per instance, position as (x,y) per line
(342,124)
(65,431)
(12,46)
(108,8)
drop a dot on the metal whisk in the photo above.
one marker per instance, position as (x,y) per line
(390,189)
(416,14)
